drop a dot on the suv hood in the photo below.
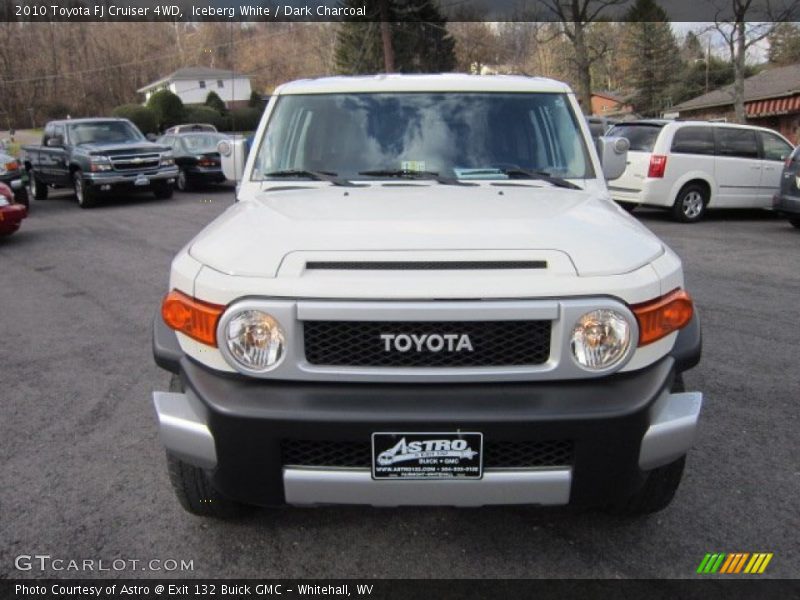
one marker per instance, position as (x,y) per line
(253,237)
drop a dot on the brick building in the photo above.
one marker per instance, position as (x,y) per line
(771,99)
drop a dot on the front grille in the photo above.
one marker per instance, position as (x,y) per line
(496,454)
(494,343)
(137,162)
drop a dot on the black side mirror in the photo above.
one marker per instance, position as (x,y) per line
(55,142)
(152,137)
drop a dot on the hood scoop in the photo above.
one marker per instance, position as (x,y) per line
(438,265)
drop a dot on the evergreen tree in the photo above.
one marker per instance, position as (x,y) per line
(784,44)
(255,100)
(649,38)
(419,38)
(692,49)
(214,101)
(168,108)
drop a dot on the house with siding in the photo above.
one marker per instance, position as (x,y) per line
(771,99)
(192,85)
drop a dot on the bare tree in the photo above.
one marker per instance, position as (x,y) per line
(575,17)
(743,29)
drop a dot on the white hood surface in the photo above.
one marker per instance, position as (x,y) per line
(252,238)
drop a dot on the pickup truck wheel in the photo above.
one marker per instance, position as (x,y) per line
(162,191)
(183,181)
(690,204)
(38,189)
(795,222)
(87,197)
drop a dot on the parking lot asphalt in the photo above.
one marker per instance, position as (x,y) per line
(83,473)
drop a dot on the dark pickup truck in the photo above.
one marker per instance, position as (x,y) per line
(96,156)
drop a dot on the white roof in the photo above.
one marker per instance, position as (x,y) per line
(450,82)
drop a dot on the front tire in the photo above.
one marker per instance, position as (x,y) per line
(690,204)
(656,493)
(87,197)
(196,494)
(38,189)
(192,485)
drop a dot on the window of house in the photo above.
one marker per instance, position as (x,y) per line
(220,83)
(202,85)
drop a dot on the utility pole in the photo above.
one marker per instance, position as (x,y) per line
(386,35)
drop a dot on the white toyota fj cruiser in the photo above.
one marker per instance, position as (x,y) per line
(425,296)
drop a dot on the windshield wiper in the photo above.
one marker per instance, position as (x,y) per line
(328,176)
(519,172)
(408,174)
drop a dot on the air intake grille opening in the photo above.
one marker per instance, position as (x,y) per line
(496,454)
(427,344)
(439,265)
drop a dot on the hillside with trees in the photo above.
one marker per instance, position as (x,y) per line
(94,68)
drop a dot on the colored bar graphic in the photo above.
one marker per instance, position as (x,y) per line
(729,563)
(734,563)
(741,562)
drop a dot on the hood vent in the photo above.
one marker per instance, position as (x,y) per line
(438,265)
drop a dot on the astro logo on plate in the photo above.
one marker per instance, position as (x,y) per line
(403,451)
(735,563)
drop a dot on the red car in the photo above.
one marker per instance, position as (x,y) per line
(11,214)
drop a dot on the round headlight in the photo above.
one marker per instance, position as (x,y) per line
(255,340)
(600,339)
(225,148)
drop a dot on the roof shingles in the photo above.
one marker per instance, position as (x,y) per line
(770,83)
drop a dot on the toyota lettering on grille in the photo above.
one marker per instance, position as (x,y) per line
(434,342)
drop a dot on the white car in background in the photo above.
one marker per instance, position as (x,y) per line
(690,166)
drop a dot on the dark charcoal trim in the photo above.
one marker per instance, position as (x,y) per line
(440,265)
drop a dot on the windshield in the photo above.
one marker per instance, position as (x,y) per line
(642,137)
(199,143)
(463,135)
(103,132)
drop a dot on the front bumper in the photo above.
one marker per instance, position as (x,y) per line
(786,205)
(619,427)
(14,181)
(205,173)
(113,178)
(11,217)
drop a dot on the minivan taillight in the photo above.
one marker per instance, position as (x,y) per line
(658,163)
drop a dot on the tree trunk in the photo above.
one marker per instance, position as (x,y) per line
(739,56)
(386,35)
(584,69)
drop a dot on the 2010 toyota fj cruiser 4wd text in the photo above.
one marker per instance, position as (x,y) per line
(425,296)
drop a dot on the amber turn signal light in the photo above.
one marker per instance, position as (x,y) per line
(658,318)
(195,318)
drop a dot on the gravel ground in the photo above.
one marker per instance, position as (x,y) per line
(84,476)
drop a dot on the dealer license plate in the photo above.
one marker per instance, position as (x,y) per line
(427,455)
(141,180)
